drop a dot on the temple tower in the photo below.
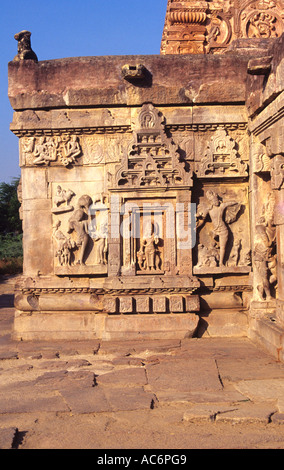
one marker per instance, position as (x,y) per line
(200,27)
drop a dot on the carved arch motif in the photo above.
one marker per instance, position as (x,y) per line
(153,159)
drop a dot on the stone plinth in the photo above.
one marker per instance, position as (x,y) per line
(50,326)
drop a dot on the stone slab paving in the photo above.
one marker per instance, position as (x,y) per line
(213,381)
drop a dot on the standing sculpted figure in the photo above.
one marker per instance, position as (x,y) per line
(64,246)
(148,252)
(100,230)
(79,222)
(221,214)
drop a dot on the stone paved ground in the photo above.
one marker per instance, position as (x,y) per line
(208,393)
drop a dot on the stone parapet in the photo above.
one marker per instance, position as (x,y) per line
(99,81)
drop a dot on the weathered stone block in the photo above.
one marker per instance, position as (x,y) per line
(142,304)
(150,327)
(159,304)
(176,304)
(126,304)
(110,304)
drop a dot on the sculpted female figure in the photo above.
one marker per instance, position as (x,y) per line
(221,214)
(79,223)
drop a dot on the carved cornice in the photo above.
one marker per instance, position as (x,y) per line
(72,131)
(126,129)
(105,291)
(205,127)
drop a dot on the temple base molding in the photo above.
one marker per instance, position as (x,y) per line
(49,326)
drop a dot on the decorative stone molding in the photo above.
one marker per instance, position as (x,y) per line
(103,291)
(69,132)
(151,304)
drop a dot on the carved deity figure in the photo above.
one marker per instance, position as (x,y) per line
(148,254)
(265,258)
(64,246)
(71,150)
(28,144)
(45,150)
(40,153)
(261,258)
(221,214)
(100,245)
(100,230)
(79,223)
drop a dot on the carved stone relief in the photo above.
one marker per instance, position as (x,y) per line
(262,19)
(93,146)
(149,255)
(260,161)
(45,150)
(65,246)
(264,252)
(222,231)
(99,229)
(78,222)
(153,159)
(80,231)
(62,200)
(219,32)
(221,158)
(199,27)
(277,172)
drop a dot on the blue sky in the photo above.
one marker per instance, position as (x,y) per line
(71,28)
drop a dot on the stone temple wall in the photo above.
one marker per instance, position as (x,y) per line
(265,105)
(147,194)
